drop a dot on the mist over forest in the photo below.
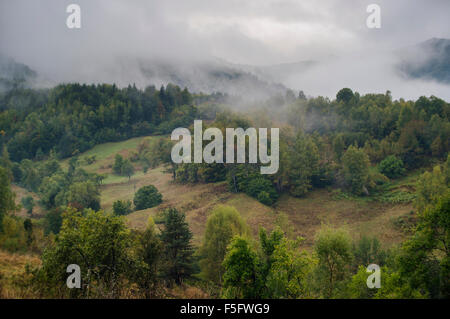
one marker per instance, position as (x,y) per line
(89,183)
(256,49)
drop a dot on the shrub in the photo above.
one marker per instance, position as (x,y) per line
(52,221)
(263,190)
(264,198)
(13,237)
(147,197)
(392,167)
(122,207)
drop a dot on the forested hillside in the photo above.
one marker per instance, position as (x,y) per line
(72,118)
(140,225)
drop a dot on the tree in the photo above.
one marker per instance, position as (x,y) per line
(268,245)
(147,197)
(176,238)
(356,169)
(160,153)
(127,169)
(289,271)
(28,203)
(53,191)
(122,207)
(412,143)
(393,286)
(7,203)
(123,167)
(303,165)
(368,251)
(13,236)
(424,261)
(96,241)
(392,167)
(84,195)
(28,226)
(222,225)
(117,166)
(53,221)
(333,248)
(241,277)
(344,95)
(302,96)
(149,252)
(338,146)
(357,287)
(430,187)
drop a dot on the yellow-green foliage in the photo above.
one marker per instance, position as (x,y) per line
(290,271)
(430,187)
(13,238)
(333,249)
(96,241)
(223,223)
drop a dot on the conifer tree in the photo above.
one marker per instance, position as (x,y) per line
(176,238)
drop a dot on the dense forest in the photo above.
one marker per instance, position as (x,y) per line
(72,118)
(354,145)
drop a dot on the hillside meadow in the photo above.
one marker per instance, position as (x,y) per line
(297,216)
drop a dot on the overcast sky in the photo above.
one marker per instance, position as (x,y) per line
(249,32)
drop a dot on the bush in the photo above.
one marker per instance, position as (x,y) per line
(122,207)
(392,167)
(13,238)
(263,190)
(264,198)
(147,197)
(52,221)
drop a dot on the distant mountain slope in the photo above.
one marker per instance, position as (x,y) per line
(428,60)
(282,72)
(208,76)
(212,76)
(14,74)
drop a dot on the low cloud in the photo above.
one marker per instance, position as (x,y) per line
(116,35)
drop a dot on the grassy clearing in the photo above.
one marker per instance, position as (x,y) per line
(359,217)
(104,153)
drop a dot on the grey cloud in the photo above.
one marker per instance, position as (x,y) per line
(252,32)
